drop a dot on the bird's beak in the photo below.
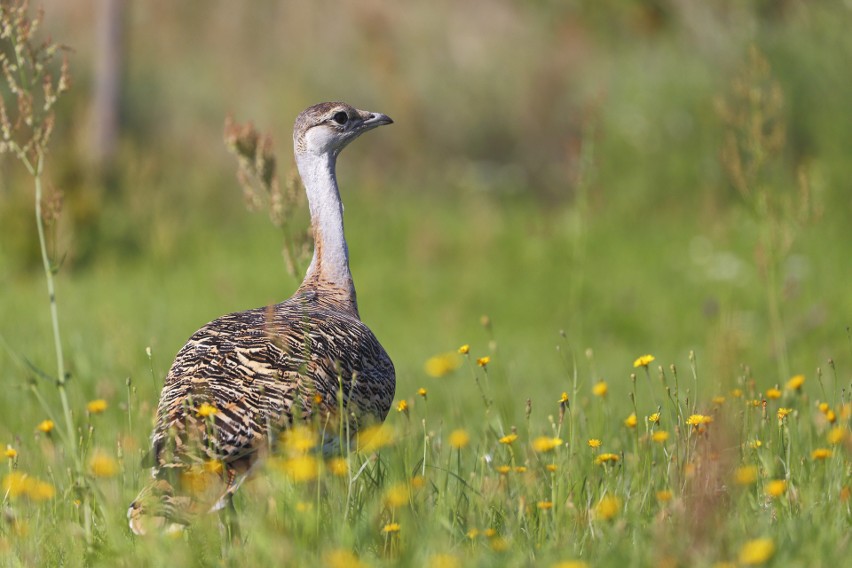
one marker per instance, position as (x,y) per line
(374,119)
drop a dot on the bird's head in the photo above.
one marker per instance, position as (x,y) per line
(326,128)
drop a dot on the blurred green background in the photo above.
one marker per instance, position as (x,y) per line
(554,165)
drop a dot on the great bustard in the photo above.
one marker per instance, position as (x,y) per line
(243,378)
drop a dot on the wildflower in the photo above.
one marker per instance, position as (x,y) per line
(594,443)
(397,495)
(660,436)
(607,508)
(338,466)
(737,393)
(17,484)
(417,482)
(206,409)
(600,389)
(508,438)
(503,469)
(831,417)
(606,458)
(563,399)
(41,490)
(45,426)
(442,365)
(776,488)
(444,561)
(757,551)
(422,392)
(544,444)
(835,436)
(631,421)
(823,407)
(375,437)
(303,506)
(754,444)
(545,505)
(521,469)
(391,528)
(213,466)
(483,361)
(96,406)
(101,464)
(795,383)
(699,420)
(773,394)
(499,544)
(654,418)
(644,361)
(746,475)
(490,532)
(718,400)
(821,454)
(551,467)
(10,452)
(299,439)
(459,439)
(570,564)
(472,533)
(402,406)
(783,413)
(664,496)
(300,468)
(754,403)
(464,349)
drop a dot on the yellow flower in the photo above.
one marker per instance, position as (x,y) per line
(417,482)
(499,544)
(17,484)
(835,436)
(746,475)
(737,393)
(773,394)
(521,469)
(563,399)
(718,400)
(508,438)
(45,426)
(10,452)
(41,490)
(796,382)
(757,551)
(831,416)
(459,439)
(422,392)
(338,466)
(444,561)
(464,349)
(654,418)
(101,464)
(755,444)
(299,439)
(472,533)
(374,437)
(631,421)
(545,505)
(483,361)
(644,361)
(442,365)
(821,454)
(397,495)
(303,506)
(503,469)
(570,564)
(551,467)
(606,458)
(664,495)
(594,443)
(206,409)
(607,508)
(402,406)
(544,444)
(600,389)
(391,528)
(341,559)
(317,399)
(96,406)
(776,488)
(823,407)
(783,413)
(698,420)
(300,468)
(660,436)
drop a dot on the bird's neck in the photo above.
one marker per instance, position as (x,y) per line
(328,273)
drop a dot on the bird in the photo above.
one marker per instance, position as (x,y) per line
(243,379)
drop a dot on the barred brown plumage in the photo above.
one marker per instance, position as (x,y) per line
(244,377)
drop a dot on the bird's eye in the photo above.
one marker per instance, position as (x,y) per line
(340,117)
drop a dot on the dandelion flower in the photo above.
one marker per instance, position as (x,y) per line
(755,444)
(442,365)
(699,420)
(96,406)
(300,468)
(563,399)
(594,443)
(41,490)
(600,389)
(823,407)
(664,495)
(776,488)
(631,421)
(490,532)
(503,469)
(644,361)
(417,482)
(521,469)
(660,436)
(757,551)
(206,409)
(795,383)
(773,394)
(607,508)
(422,392)
(101,464)
(46,426)
(375,437)
(545,505)
(718,400)
(783,413)
(654,418)
(821,454)
(464,349)
(397,495)
(745,475)
(472,533)
(391,528)
(570,564)
(483,361)
(402,406)
(299,439)
(835,436)
(459,439)
(606,458)
(551,467)
(10,452)
(338,466)
(737,393)
(508,438)
(544,444)
(444,561)
(342,559)
(499,544)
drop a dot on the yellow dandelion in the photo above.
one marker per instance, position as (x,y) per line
(699,420)
(823,407)
(664,496)
(402,406)
(374,437)
(544,444)
(341,559)
(46,426)
(499,544)
(570,564)
(606,458)
(755,444)
(719,400)
(422,392)
(795,383)
(508,438)
(338,466)
(459,439)
(391,528)
(835,436)
(41,490)
(563,399)
(754,403)
(16,484)
(300,468)
(206,409)
(631,421)
(101,464)
(472,533)
(442,365)
(773,394)
(417,482)
(737,393)
(660,436)
(831,417)
(303,506)
(644,361)
(821,454)
(521,469)
(464,349)
(783,413)
(607,508)
(299,439)
(551,467)
(776,488)
(545,505)
(490,532)
(654,418)
(594,443)
(503,469)
(757,551)
(444,561)
(483,361)
(96,406)
(600,389)
(10,452)
(397,495)
(745,475)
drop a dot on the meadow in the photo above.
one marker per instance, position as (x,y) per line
(614,288)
